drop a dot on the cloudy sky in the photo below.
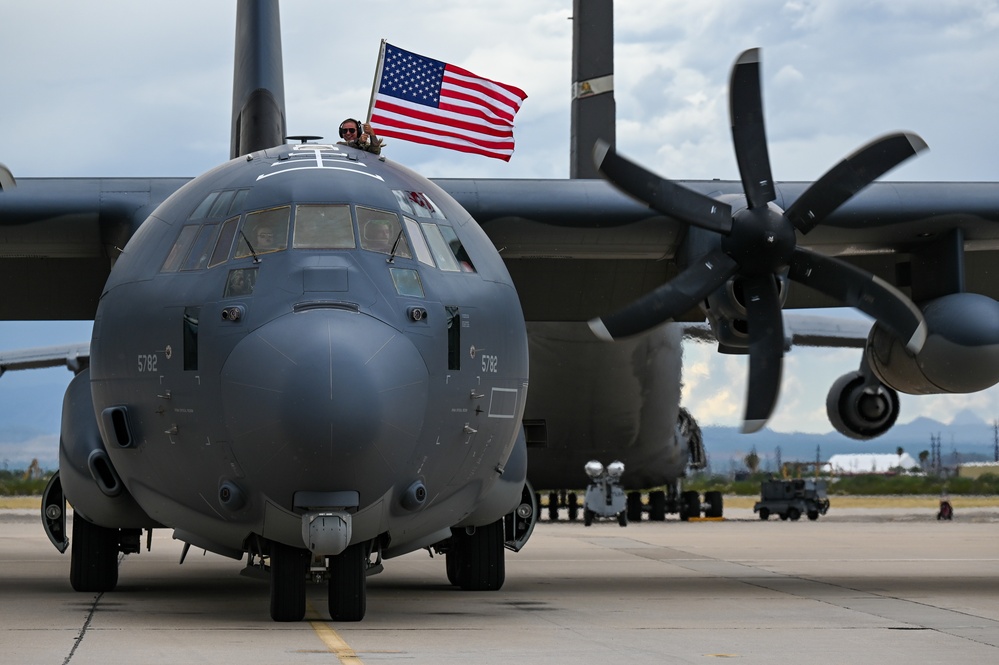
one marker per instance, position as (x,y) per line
(120,88)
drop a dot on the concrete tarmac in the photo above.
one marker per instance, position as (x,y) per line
(866,587)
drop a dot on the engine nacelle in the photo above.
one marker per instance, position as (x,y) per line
(961,354)
(89,479)
(726,312)
(861,407)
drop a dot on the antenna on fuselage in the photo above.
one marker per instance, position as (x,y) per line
(303,138)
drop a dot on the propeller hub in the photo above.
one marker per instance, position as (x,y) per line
(762,240)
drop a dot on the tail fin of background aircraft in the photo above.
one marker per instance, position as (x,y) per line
(593,110)
(258,111)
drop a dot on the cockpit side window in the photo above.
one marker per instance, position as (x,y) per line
(220,207)
(442,253)
(220,204)
(180,248)
(323,227)
(197,258)
(456,248)
(419,244)
(224,244)
(381,232)
(264,231)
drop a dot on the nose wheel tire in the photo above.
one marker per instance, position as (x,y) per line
(347,586)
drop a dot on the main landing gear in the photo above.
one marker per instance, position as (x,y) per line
(94,554)
(475,557)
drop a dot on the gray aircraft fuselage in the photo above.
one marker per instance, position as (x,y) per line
(311,326)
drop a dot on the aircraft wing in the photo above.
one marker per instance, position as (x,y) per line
(579,248)
(74,356)
(59,238)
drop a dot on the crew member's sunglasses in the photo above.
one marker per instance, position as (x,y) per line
(348,130)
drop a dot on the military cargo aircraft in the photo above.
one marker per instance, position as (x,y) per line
(315,358)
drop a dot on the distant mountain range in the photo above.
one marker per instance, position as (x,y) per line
(968,438)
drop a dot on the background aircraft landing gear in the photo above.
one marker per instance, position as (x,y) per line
(635,506)
(475,561)
(347,586)
(289,567)
(690,505)
(93,557)
(657,506)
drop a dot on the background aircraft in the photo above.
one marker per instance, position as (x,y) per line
(632,285)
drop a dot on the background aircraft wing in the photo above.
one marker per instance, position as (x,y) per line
(74,356)
(802,329)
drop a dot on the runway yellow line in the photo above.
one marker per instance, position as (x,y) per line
(336,644)
(343,651)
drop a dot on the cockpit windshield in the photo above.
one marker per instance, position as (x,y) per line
(264,231)
(382,232)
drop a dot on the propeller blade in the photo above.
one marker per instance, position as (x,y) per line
(859,288)
(748,131)
(661,194)
(766,350)
(669,300)
(850,176)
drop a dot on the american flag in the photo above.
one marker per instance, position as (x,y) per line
(427,101)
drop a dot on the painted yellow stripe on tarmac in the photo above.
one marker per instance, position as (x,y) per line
(343,652)
(336,644)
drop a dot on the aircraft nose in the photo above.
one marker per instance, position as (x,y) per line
(317,398)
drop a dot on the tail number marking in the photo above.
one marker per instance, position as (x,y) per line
(490,363)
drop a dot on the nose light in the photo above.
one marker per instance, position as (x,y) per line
(415,496)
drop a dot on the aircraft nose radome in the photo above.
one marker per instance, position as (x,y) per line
(322,396)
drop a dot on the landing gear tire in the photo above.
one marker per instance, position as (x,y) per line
(453,566)
(657,506)
(347,587)
(793,514)
(480,557)
(813,515)
(94,557)
(690,505)
(622,518)
(634,506)
(714,501)
(587,517)
(289,566)
(553,507)
(764,513)
(573,503)
(783,517)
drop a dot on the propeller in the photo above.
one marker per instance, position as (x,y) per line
(754,241)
